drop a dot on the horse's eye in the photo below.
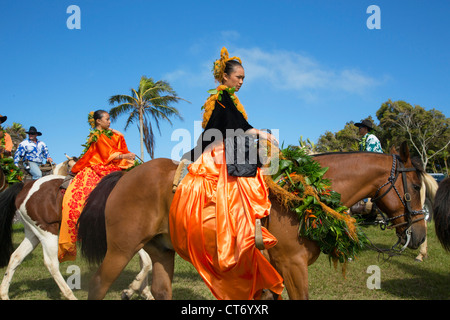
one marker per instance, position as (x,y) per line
(416,187)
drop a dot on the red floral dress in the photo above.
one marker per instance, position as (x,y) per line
(96,163)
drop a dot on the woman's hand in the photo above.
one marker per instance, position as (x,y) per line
(128,156)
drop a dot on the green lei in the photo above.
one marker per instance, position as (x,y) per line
(297,173)
(12,173)
(93,136)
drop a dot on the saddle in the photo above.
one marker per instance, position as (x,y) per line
(182,171)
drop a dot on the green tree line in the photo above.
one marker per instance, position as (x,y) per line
(426,131)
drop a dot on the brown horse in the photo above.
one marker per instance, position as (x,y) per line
(135,215)
(441,210)
(39,205)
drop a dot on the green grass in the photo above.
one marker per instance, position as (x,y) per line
(401,277)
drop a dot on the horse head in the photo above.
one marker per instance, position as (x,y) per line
(403,197)
(71,162)
(65,167)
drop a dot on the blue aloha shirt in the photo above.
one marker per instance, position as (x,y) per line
(31,151)
(370,143)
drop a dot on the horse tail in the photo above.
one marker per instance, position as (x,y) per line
(7,211)
(441,211)
(91,223)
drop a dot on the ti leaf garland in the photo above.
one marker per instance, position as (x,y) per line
(300,184)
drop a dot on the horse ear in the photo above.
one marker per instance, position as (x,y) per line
(404,152)
(393,150)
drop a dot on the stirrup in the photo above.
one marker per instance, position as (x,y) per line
(258,235)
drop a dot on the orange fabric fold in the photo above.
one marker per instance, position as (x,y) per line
(95,164)
(212,225)
(103,151)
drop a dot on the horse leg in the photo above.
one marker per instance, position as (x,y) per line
(140,283)
(163,260)
(28,244)
(50,250)
(294,270)
(113,264)
(423,249)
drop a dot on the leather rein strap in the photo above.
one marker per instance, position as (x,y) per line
(397,168)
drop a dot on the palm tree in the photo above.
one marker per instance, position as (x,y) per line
(150,100)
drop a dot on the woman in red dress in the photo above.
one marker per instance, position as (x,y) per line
(106,151)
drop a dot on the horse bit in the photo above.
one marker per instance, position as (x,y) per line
(397,168)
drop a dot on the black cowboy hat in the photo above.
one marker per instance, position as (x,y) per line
(3,118)
(365,123)
(34,131)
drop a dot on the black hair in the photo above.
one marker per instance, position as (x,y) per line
(230,65)
(99,114)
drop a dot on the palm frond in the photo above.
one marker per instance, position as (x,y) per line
(123,108)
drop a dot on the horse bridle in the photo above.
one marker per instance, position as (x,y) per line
(397,168)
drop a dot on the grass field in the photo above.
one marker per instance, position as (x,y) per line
(401,277)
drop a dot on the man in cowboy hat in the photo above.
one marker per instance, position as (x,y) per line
(369,141)
(34,152)
(6,143)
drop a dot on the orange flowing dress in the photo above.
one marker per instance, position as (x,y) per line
(97,162)
(212,225)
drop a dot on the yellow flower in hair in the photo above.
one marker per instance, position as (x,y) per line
(220,64)
(91,120)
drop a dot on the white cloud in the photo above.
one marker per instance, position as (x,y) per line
(285,70)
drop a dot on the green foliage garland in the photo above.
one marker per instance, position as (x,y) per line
(321,214)
(93,137)
(12,173)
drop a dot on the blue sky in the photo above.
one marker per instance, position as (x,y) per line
(311,66)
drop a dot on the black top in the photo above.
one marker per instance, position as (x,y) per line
(221,119)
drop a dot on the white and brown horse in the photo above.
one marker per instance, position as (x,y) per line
(38,203)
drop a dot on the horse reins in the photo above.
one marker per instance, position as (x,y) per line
(397,168)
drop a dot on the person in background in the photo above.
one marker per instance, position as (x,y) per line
(32,152)
(6,144)
(106,152)
(369,141)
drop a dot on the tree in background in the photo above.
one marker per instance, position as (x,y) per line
(17,133)
(151,101)
(426,131)
(344,140)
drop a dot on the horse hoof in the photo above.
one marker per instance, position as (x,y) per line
(125,295)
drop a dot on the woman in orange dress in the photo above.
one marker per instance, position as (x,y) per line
(106,151)
(212,216)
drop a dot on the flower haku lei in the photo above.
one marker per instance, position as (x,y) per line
(220,64)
